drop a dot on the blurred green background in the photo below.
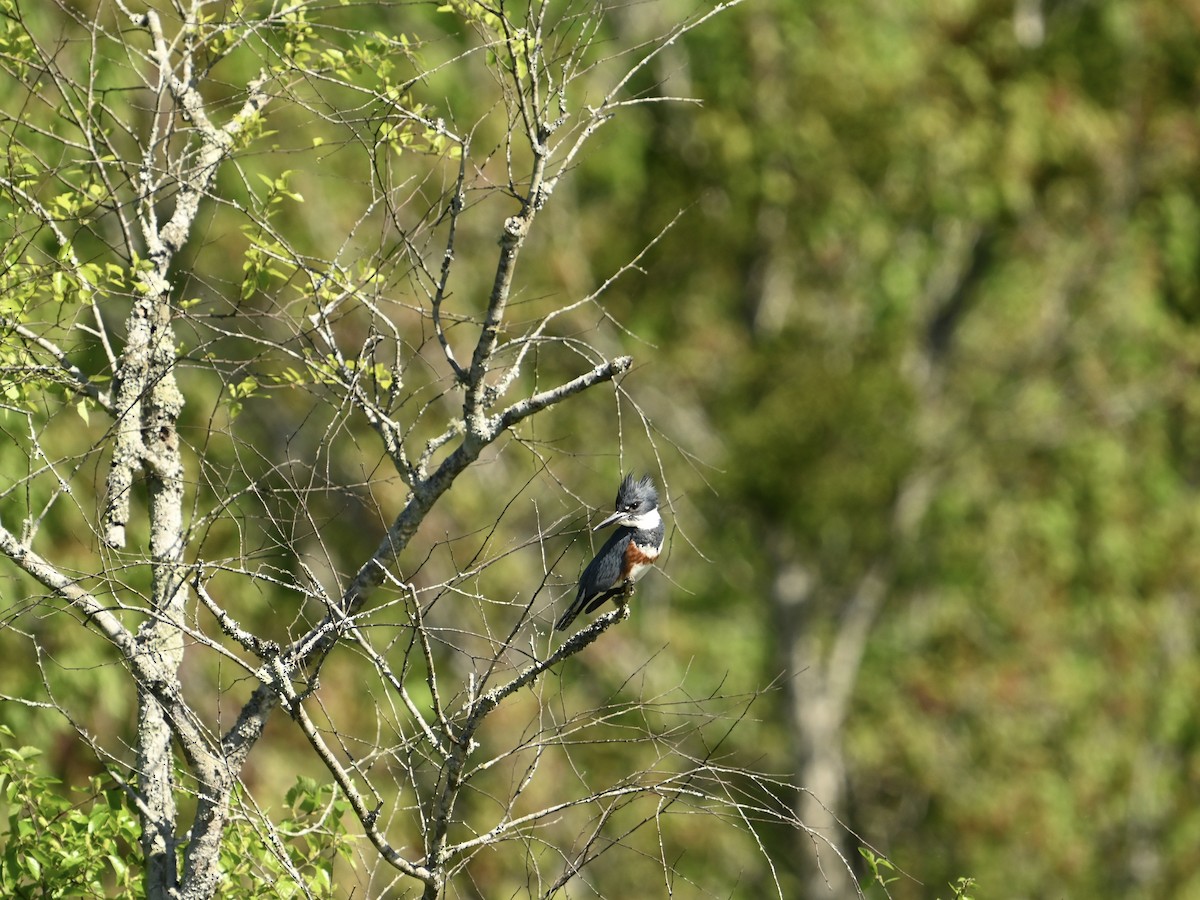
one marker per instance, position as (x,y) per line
(918,367)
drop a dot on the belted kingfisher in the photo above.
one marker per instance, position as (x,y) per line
(626,555)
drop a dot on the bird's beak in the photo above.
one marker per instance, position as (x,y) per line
(613,518)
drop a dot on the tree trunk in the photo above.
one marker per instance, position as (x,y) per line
(822,673)
(153,403)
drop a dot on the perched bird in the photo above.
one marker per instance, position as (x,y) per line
(626,555)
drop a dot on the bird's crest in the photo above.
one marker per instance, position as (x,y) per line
(633,493)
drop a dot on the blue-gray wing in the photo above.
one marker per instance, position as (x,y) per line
(601,579)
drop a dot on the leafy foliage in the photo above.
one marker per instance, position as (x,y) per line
(293,857)
(83,840)
(63,844)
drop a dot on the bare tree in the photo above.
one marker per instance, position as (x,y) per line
(189,365)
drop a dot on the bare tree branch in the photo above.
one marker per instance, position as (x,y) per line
(289,416)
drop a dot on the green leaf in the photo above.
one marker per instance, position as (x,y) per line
(118,866)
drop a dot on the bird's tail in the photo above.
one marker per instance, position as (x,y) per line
(569,616)
(586,603)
